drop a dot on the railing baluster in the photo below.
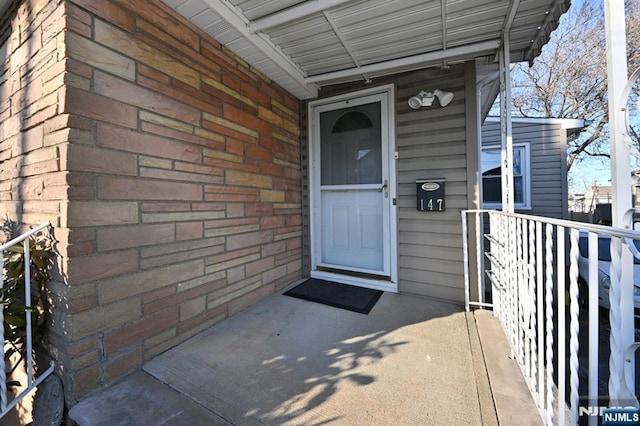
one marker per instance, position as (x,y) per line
(496,294)
(527,293)
(524,286)
(592,297)
(465,260)
(479,257)
(540,310)
(504,294)
(574,325)
(513,287)
(522,329)
(508,313)
(615,369)
(513,269)
(532,295)
(27,302)
(537,305)
(549,322)
(497,230)
(621,328)
(561,288)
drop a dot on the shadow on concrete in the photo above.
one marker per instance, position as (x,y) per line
(288,361)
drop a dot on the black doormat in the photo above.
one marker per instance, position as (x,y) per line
(352,298)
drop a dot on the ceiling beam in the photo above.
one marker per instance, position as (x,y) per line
(507,24)
(511,15)
(292,13)
(336,30)
(238,21)
(485,47)
(443,20)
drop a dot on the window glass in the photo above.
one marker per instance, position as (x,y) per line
(351,145)
(517,162)
(492,175)
(353,120)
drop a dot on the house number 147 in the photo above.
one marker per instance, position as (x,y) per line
(433,204)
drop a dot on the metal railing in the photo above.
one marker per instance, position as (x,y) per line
(32,383)
(534,273)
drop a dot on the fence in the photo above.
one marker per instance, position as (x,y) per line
(534,273)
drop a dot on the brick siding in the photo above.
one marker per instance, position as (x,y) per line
(169,166)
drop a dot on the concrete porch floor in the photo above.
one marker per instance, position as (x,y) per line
(288,361)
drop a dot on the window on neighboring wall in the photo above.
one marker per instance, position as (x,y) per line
(492,177)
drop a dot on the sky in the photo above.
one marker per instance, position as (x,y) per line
(588,171)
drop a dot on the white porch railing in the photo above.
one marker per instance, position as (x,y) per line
(31,382)
(533,272)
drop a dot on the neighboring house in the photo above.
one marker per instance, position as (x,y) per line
(595,195)
(602,194)
(595,204)
(539,164)
(185,185)
(577,203)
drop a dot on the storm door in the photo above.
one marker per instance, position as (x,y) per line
(352,189)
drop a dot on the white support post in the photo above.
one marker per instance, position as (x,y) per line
(505,126)
(479,258)
(621,296)
(465,257)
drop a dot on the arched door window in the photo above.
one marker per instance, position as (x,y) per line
(351,149)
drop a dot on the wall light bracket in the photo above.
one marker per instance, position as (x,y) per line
(425,99)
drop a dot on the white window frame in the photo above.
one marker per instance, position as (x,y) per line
(525,158)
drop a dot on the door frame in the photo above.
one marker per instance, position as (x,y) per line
(389,132)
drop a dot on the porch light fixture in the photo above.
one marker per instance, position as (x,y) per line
(425,98)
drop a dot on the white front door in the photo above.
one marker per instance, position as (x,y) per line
(353,220)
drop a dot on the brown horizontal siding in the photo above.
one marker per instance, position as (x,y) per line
(431,143)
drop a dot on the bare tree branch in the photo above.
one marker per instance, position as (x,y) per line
(582,146)
(569,78)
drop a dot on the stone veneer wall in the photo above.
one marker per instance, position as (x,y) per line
(175,173)
(32,180)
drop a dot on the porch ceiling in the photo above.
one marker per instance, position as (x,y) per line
(303,45)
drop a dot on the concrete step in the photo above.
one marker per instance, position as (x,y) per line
(514,403)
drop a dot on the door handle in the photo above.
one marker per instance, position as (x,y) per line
(385,188)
